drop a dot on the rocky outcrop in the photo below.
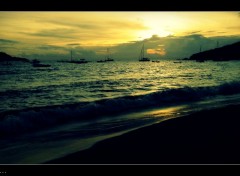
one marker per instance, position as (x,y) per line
(7,58)
(228,52)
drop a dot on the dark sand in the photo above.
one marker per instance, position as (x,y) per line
(207,137)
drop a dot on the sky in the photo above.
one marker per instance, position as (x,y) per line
(166,35)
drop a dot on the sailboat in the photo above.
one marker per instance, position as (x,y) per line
(81,61)
(108,59)
(141,57)
(36,63)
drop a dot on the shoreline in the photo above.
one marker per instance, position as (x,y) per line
(205,137)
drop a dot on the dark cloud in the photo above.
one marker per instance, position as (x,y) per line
(215,32)
(4,41)
(211,31)
(73,44)
(171,47)
(126,24)
(90,25)
(51,47)
(193,36)
(193,32)
(58,33)
(83,25)
(74,33)
(9,45)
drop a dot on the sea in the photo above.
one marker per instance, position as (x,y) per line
(47,113)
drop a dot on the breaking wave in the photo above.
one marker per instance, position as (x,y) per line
(31,119)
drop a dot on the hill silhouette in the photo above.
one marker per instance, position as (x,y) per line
(7,58)
(228,52)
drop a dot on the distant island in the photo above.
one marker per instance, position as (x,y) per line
(225,53)
(7,58)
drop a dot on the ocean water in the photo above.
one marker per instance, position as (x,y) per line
(47,113)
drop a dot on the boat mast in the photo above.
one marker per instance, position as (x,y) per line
(143,51)
(107,53)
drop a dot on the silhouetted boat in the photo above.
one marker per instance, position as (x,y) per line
(36,63)
(141,57)
(108,59)
(41,65)
(101,61)
(81,61)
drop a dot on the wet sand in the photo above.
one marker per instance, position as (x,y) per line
(206,137)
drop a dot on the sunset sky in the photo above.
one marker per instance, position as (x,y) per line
(47,35)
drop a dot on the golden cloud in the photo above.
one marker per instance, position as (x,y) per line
(158,51)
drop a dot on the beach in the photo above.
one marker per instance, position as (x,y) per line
(205,137)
